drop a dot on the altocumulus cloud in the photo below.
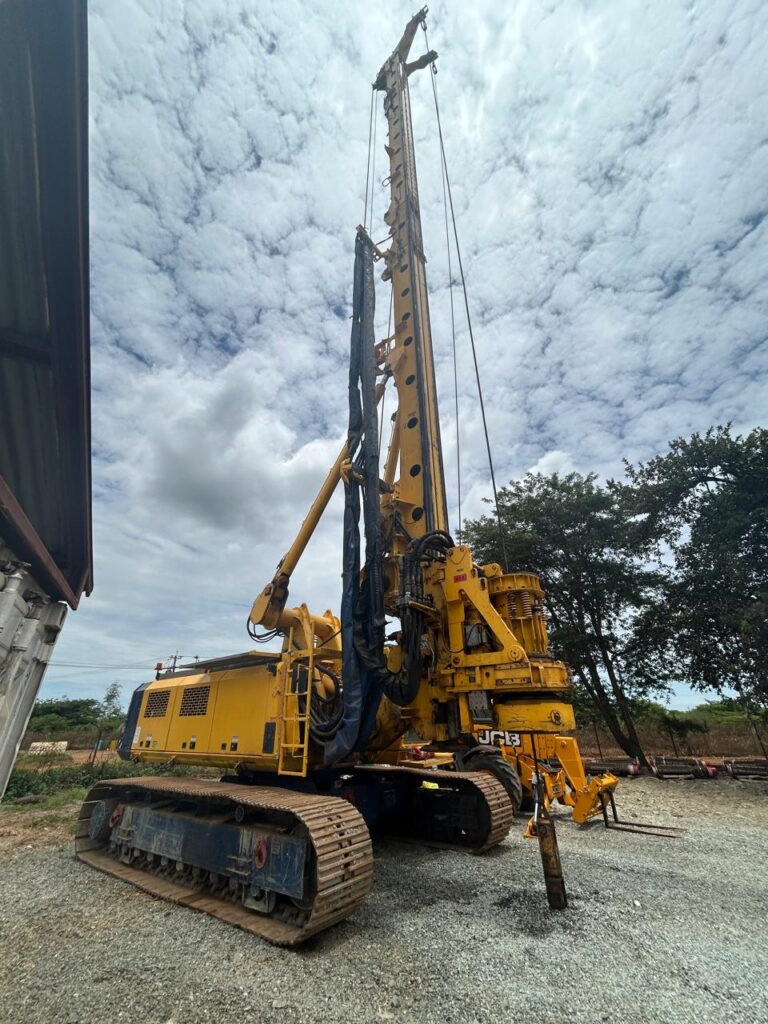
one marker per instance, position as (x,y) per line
(610,170)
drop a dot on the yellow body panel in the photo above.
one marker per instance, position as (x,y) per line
(216,718)
(536,716)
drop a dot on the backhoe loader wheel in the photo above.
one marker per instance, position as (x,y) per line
(490,761)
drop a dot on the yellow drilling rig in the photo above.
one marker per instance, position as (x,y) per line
(435,732)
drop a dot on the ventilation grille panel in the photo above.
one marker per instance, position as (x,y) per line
(157,704)
(194,701)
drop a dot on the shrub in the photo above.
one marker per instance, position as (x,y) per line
(25,781)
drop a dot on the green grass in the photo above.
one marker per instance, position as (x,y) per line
(63,798)
(59,780)
(56,811)
(52,818)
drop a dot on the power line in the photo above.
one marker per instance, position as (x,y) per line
(94,665)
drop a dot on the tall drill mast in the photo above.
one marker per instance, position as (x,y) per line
(418,496)
(413,502)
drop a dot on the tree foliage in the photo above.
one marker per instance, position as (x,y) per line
(707,498)
(593,560)
(659,578)
(61,714)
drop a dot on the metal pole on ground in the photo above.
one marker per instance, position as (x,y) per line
(548,848)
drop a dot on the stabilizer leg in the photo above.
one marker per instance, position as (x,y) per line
(544,830)
(550,861)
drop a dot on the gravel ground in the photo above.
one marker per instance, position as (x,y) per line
(656,931)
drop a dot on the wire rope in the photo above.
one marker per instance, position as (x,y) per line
(368,163)
(453,345)
(466,304)
(373,162)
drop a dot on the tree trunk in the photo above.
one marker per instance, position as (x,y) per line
(597,739)
(594,688)
(672,738)
(583,663)
(752,722)
(619,695)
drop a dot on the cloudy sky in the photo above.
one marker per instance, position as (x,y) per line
(609,164)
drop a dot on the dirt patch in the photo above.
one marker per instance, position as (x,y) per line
(35,826)
(83,756)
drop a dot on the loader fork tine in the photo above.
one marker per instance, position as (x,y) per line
(636,827)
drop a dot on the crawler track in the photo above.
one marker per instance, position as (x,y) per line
(341,864)
(478,813)
(456,810)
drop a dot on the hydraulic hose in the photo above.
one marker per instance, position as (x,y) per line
(401,687)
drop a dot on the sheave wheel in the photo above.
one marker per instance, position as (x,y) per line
(496,764)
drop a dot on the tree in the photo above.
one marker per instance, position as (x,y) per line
(707,497)
(60,714)
(111,706)
(592,558)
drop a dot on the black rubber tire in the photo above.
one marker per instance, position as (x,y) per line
(497,765)
(528,804)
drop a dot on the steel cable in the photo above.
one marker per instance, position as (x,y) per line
(466,303)
(368,163)
(453,344)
